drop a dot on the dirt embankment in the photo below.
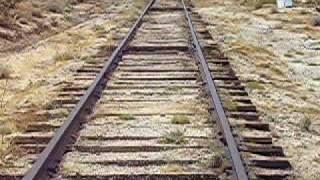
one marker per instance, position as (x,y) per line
(24,22)
(276,54)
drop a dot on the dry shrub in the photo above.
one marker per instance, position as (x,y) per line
(24,9)
(37,13)
(56,6)
(8,152)
(7,4)
(27,9)
(274,10)
(76,1)
(12,10)
(258,3)
(4,72)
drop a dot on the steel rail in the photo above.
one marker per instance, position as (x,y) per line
(240,172)
(53,153)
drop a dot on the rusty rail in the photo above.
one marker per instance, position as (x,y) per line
(240,172)
(46,163)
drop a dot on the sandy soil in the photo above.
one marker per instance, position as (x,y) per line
(275,53)
(33,75)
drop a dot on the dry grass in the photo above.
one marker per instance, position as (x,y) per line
(8,154)
(19,17)
(4,131)
(229,105)
(305,123)
(4,91)
(180,119)
(13,10)
(34,94)
(127,117)
(64,56)
(255,85)
(214,161)
(172,168)
(173,137)
(174,88)
(100,30)
(99,27)
(6,6)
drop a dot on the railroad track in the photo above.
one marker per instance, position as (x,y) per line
(166,105)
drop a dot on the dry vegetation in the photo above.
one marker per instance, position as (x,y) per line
(18,17)
(257,3)
(270,52)
(23,22)
(4,72)
(31,77)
